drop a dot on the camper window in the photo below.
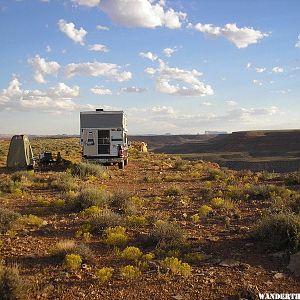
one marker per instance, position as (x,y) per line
(90,139)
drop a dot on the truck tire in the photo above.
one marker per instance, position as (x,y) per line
(121,165)
(126,162)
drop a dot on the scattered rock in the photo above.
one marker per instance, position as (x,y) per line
(229,263)
(279,276)
(294,265)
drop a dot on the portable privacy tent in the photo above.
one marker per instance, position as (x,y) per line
(20,153)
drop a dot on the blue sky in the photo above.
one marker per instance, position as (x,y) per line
(174,66)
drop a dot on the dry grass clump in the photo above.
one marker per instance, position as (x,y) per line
(173,191)
(278,232)
(12,286)
(22,175)
(7,219)
(65,247)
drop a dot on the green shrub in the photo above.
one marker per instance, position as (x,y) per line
(12,286)
(195,218)
(136,221)
(217,202)
(131,253)
(115,236)
(84,170)
(90,211)
(176,266)
(167,235)
(205,210)
(105,219)
(7,219)
(279,231)
(130,272)
(104,274)
(28,220)
(72,261)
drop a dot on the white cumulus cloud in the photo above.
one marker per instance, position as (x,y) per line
(277,70)
(169,51)
(100,90)
(257,82)
(175,81)
(42,68)
(98,48)
(56,99)
(101,27)
(77,35)
(231,103)
(89,3)
(111,71)
(297,45)
(240,37)
(142,13)
(260,70)
(133,89)
(148,55)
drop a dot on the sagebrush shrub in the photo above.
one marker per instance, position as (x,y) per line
(7,219)
(278,232)
(90,197)
(84,170)
(167,235)
(12,286)
(105,219)
(65,182)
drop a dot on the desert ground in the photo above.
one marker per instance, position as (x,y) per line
(163,228)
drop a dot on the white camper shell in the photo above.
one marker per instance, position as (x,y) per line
(103,136)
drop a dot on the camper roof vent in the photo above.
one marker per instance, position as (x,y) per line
(99,109)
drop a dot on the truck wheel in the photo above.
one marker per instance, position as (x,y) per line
(121,165)
(126,162)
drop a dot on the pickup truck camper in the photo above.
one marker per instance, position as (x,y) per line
(103,137)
